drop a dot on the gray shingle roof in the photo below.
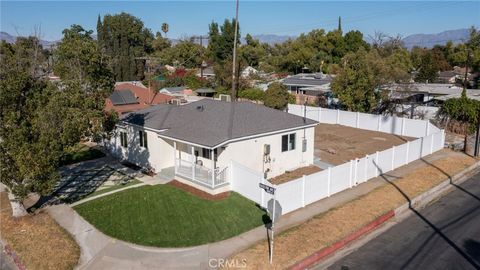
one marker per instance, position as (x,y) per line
(205,91)
(305,82)
(123,97)
(211,122)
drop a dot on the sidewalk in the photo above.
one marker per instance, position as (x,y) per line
(102,252)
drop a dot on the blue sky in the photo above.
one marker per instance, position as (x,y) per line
(267,17)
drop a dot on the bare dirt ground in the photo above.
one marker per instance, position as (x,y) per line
(294,174)
(336,144)
(37,239)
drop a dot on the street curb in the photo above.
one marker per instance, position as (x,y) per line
(324,252)
(400,212)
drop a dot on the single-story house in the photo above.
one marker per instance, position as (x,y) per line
(206,73)
(421,93)
(248,71)
(129,97)
(294,83)
(178,91)
(309,87)
(198,141)
(205,92)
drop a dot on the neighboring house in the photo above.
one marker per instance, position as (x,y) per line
(135,83)
(177,92)
(205,92)
(128,97)
(206,73)
(308,87)
(198,141)
(447,77)
(248,71)
(421,93)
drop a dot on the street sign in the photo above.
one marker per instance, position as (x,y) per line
(267,189)
(274,212)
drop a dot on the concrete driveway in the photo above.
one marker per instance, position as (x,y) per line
(79,180)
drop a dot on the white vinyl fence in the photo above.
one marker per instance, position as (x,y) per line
(308,189)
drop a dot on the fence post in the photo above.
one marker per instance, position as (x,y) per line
(329,180)
(350,174)
(320,115)
(358,120)
(408,150)
(366,168)
(338,116)
(427,128)
(403,126)
(393,156)
(443,138)
(379,122)
(431,143)
(303,191)
(377,166)
(356,171)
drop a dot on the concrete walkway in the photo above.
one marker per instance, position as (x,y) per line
(102,252)
(106,194)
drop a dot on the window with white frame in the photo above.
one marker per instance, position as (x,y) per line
(123,138)
(142,135)
(288,142)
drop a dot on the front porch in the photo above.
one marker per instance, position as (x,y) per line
(201,170)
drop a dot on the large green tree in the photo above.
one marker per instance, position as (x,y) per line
(358,82)
(221,40)
(40,120)
(79,58)
(277,96)
(125,40)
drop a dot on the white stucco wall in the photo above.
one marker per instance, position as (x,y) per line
(158,155)
(160,152)
(250,153)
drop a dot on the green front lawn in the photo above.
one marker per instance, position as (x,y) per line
(165,216)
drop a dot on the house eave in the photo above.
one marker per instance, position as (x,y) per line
(224,142)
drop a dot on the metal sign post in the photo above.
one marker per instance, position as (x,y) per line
(273,226)
(274,211)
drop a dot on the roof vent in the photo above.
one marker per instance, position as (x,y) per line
(200,108)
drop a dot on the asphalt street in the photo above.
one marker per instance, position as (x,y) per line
(444,235)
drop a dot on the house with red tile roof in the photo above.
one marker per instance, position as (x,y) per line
(128,97)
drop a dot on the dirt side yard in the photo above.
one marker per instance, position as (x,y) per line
(323,230)
(38,240)
(336,144)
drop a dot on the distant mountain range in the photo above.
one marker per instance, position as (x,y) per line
(430,40)
(11,39)
(421,40)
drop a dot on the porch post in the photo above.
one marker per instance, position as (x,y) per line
(175,156)
(213,167)
(192,160)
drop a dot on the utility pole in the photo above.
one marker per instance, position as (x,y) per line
(234,65)
(477,138)
(203,65)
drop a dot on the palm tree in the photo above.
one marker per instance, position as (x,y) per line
(165,28)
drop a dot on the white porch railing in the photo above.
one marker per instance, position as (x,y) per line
(200,174)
